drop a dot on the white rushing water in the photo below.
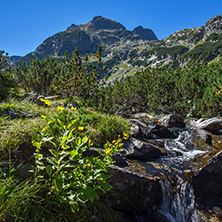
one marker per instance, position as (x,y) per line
(178,195)
(178,206)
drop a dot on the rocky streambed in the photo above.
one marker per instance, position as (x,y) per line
(171,170)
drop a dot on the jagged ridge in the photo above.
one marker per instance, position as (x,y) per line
(125,51)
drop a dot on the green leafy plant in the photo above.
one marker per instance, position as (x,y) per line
(69,175)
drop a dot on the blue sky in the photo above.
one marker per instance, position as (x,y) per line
(25,24)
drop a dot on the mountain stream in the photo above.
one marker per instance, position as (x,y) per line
(178,195)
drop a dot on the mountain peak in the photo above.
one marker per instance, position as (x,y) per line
(100,22)
(145,33)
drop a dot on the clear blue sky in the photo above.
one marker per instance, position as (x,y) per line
(25,24)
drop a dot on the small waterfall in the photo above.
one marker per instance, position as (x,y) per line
(178,195)
(178,206)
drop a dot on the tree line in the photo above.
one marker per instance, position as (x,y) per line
(193,91)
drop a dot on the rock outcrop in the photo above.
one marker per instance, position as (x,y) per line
(213,25)
(145,33)
(132,193)
(99,23)
(213,125)
(207,184)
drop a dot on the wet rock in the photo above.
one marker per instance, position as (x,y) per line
(207,184)
(172,120)
(133,193)
(202,139)
(157,217)
(159,132)
(137,149)
(57,104)
(205,136)
(51,97)
(213,125)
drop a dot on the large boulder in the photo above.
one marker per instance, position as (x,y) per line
(159,132)
(207,184)
(213,125)
(201,139)
(138,149)
(172,120)
(132,193)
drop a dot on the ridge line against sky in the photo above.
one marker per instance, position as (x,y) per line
(25,24)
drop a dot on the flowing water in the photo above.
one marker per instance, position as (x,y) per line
(178,195)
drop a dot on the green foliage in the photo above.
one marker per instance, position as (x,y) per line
(6,77)
(194,91)
(14,196)
(65,77)
(71,177)
(207,51)
(38,75)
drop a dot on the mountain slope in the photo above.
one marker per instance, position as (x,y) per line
(125,51)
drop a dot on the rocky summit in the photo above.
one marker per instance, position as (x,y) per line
(124,51)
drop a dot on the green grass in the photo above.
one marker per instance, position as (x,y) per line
(27,201)
(17,134)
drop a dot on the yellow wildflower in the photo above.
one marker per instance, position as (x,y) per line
(47,102)
(43,116)
(60,108)
(80,128)
(125,136)
(114,141)
(107,150)
(88,165)
(73,108)
(121,144)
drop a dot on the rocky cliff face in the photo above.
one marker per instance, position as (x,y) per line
(146,34)
(126,51)
(99,23)
(213,26)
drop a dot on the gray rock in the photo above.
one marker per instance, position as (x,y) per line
(172,120)
(207,184)
(145,117)
(132,193)
(145,33)
(159,132)
(137,149)
(213,125)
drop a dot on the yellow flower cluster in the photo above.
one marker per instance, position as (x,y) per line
(47,102)
(125,136)
(60,108)
(43,116)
